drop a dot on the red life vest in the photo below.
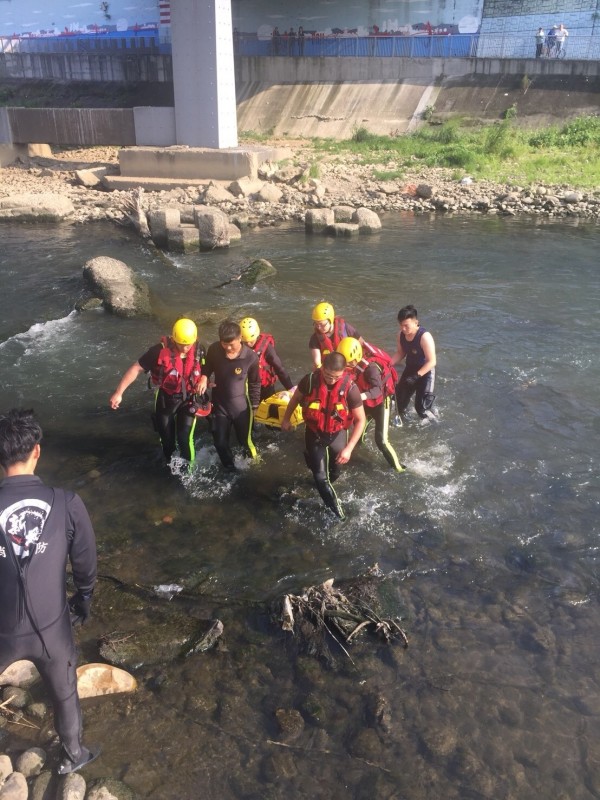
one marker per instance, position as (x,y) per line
(328,342)
(325,410)
(174,374)
(383,362)
(267,374)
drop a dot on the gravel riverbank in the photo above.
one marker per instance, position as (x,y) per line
(289,191)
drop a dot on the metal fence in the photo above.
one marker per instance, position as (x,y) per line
(85,43)
(382,45)
(476,45)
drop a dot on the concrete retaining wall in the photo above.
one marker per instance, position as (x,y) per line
(318,96)
(158,68)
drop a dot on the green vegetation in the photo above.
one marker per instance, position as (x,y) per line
(503,152)
(254,136)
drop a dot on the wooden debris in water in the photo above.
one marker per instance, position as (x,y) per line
(325,610)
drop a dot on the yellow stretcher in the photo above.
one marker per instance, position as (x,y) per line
(270,411)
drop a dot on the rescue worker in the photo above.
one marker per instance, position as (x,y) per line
(175,366)
(235,392)
(373,373)
(329,331)
(40,530)
(269,363)
(331,404)
(416,345)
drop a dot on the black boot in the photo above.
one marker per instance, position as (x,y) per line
(85,757)
(330,498)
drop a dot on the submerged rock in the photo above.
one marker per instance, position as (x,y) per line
(109,789)
(162,639)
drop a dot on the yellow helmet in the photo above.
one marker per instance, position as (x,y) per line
(351,349)
(250,329)
(323,311)
(184,331)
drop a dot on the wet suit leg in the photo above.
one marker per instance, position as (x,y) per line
(165,409)
(381,416)
(425,396)
(243,423)
(57,664)
(221,431)
(320,455)
(403,394)
(185,426)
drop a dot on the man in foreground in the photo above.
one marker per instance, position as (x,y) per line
(331,404)
(235,392)
(40,528)
(175,365)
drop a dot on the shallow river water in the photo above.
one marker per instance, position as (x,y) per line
(489,539)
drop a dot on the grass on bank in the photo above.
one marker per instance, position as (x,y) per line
(502,152)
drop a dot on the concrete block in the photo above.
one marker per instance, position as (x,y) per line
(122,184)
(343,213)
(184,239)
(213,226)
(316,220)
(160,221)
(366,220)
(342,229)
(196,163)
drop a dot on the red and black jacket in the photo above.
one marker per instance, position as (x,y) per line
(325,409)
(174,374)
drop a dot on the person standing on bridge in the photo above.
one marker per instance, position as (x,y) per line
(540,38)
(561,37)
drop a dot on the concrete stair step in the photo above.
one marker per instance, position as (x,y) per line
(125,182)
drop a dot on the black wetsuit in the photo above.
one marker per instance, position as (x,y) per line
(424,388)
(40,528)
(171,419)
(322,449)
(235,394)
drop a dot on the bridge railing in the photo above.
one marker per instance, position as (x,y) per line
(462,45)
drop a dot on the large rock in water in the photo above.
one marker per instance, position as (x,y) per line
(120,290)
(36,208)
(259,270)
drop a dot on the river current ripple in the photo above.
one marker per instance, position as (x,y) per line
(489,540)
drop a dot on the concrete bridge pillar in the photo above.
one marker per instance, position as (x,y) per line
(203,73)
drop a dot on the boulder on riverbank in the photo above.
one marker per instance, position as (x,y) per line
(121,291)
(36,208)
